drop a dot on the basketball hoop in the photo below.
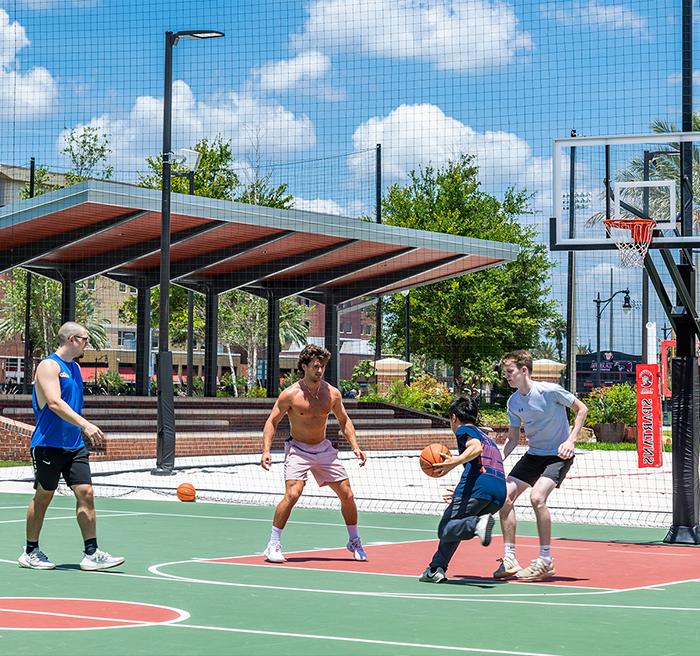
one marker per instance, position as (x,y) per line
(632,238)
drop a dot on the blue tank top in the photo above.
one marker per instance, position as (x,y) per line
(50,429)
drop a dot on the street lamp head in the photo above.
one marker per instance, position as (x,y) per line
(627,303)
(189,158)
(196,34)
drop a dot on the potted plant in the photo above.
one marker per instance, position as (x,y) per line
(610,410)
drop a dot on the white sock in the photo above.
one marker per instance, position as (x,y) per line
(352,531)
(546,553)
(509,549)
(276,534)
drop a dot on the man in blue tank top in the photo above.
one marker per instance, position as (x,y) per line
(58,449)
(480,492)
(541,409)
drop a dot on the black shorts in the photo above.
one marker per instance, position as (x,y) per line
(530,468)
(50,463)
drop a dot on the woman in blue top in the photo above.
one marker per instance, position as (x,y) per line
(58,450)
(481,490)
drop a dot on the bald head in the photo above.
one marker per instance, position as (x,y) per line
(67,330)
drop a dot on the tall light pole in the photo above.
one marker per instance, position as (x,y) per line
(600,305)
(165,445)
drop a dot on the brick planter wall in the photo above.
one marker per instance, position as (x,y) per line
(14,440)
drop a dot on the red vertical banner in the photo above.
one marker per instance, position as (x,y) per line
(649,443)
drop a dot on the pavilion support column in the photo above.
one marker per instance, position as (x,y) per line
(273,345)
(211,331)
(68,293)
(331,343)
(143,338)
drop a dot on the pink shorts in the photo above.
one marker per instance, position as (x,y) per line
(321,459)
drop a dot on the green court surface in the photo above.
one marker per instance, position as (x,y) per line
(617,590)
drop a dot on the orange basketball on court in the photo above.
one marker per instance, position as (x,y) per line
(432,454)
(186,492)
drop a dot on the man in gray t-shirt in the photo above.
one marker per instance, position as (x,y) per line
(541,409)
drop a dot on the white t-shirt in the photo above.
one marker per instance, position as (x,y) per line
(542,413)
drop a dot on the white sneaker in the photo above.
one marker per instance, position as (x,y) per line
(100,560)
(438,576)
(273,553)
(37,559)
(355,548)
(484,527)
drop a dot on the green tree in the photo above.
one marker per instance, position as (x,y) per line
(178,313)
(215,176)
(243,320)
(44,182)
(473,319)
(45,316)
(88,149)
(262,192)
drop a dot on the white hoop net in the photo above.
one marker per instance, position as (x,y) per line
(632,238)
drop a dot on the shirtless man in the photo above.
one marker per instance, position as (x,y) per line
(308,404)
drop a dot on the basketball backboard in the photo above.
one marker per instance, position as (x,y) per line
(644,174)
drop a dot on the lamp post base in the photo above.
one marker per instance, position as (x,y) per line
(162,471)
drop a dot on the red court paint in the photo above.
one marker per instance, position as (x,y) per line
(577,562)
(58,613)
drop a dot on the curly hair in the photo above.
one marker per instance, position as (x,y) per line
(519,358)
(310,353)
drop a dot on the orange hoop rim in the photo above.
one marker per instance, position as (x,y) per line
(642,229)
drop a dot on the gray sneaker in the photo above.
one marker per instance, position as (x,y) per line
(484,527)
(100,560)
(37,559)
(438,576)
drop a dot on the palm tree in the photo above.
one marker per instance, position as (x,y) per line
(545,350)
(661,167)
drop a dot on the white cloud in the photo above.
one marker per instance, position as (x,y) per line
(263,128)
(22,95)
(598,16)
(12,39)
(677,78)
(353,208)
(322,205)
(304,73)
(417,135)
(455,35)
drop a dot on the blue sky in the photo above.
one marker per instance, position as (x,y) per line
(294,82)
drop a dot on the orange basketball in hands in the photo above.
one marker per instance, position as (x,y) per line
(186,492)
(432,454)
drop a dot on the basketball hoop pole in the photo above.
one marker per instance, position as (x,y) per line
(685,379)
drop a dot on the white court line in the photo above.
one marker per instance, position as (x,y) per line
(505,598)
(367,641)
(100,514)
(182,615)
(455,597)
